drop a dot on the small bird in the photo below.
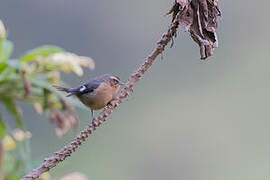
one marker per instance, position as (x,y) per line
(96,93)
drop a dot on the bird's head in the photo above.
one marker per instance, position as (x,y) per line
(112,80)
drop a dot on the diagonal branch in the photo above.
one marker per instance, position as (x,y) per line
(67,150)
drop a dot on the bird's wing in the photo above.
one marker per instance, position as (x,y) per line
(83,89)
(70,91)
(87,87)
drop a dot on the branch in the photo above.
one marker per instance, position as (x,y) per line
(67,150)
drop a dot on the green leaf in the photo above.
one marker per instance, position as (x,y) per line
(9,162)
(8,68)
(40,81)
(5,74)
(12,167)
(11,176)
(3,65)
(6,49)
(13,110)
(2,128)
(40,51)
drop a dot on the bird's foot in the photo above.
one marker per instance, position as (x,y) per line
(112,103)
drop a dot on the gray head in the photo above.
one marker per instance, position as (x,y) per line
(109,78)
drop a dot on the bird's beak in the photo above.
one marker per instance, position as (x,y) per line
(122,83)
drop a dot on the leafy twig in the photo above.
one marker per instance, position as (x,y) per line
(67,150)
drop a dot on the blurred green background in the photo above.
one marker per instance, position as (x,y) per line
(187,119)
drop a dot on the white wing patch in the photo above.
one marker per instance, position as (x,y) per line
(82,88)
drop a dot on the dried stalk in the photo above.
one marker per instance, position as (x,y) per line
(67,150)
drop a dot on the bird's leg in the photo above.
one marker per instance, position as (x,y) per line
(92,114)
(109,103)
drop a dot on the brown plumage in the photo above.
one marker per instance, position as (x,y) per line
(100,97)
(97,93)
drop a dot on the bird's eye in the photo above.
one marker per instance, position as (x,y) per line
(115,81)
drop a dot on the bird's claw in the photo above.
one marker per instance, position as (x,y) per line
(112,103)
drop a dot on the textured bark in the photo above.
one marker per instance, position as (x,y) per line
(199,18)
(66,151)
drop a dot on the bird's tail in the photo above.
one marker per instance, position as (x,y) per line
(71,91)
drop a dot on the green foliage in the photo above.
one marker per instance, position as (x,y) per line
(12,108)
(12,168)
(2,128)
(6,48)
(29,79)
(44,50)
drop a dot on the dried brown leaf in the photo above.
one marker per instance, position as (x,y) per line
(63,118)
(27,85)
(183,3)
(199,18)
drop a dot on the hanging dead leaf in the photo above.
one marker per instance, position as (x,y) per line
(183,3)
(199,18)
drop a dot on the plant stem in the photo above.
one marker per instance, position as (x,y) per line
(67,150)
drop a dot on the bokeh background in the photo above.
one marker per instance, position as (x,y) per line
(187,119)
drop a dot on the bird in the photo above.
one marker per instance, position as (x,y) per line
(96,93)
